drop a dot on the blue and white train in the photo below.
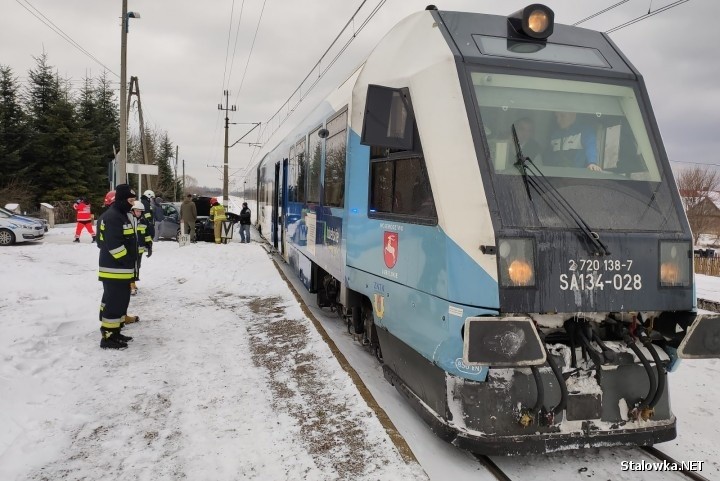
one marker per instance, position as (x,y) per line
(488,202)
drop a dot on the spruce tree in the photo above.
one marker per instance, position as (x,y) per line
(13,131)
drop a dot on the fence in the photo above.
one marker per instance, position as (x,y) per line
(710,266)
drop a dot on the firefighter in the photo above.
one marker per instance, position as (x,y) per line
(117,240)
(147,200)
(144,240)
(84,218)
(217,215)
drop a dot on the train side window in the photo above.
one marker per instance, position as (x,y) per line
(389,118)
(314,154)
(400,190)
(292,175)
(335,150)
(301,170)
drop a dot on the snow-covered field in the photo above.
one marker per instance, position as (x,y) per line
(227,379)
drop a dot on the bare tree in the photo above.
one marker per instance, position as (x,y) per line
(697,187)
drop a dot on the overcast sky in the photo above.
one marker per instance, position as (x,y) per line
(179,51)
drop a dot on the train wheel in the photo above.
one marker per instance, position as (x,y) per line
(370,336)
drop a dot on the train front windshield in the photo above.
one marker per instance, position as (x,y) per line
(589,140)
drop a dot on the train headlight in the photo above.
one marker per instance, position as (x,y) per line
(675,264)
(534,21)
(516,261)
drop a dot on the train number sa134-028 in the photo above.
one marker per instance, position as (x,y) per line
(596,274)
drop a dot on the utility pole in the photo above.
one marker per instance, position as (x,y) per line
(121,172)
(121,176)
(175,176)
(226,198)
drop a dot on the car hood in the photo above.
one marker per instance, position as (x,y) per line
(26,220)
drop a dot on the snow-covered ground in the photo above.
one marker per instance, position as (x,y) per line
(227,379)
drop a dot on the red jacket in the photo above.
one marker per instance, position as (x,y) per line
(83,211)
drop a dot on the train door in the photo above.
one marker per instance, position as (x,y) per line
(276,206)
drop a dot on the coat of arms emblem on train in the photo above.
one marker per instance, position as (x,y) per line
(391,246)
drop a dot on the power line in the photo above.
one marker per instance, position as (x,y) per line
(647,15)
(599,13)
(227,47)
(252,46)
(49,23)
(237,34)
(320,73)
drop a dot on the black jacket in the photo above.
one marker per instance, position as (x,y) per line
(117,240)
(245,216)
(148,216)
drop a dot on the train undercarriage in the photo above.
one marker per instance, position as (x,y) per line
(603,381)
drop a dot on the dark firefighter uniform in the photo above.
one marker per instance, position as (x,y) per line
(118,243)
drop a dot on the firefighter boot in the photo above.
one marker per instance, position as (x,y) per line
(123,337)
(110,339)
(77,239)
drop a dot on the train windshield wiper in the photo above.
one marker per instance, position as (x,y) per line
(549,192)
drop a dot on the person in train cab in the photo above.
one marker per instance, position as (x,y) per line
(245,224)
(188,216)
(525,129)
(117,241)
(217,216)
(572,143)
(84,218)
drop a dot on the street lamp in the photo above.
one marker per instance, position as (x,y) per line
(122,164)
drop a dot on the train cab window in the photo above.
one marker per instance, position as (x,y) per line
(314,154)
(565,126)
(590,141)
(335,150)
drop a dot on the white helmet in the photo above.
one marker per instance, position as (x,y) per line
(149,193)
(137,205)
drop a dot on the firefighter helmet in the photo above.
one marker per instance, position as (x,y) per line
(137,205)
(149,194)
(109,198)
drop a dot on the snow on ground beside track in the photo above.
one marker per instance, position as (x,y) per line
(196,395)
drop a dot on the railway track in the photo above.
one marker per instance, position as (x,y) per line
(493,468)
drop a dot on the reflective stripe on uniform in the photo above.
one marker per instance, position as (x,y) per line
(118,252)
(148,239)
(110,273)
(110,324)
(141,250)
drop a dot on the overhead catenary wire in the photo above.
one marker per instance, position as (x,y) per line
(320,73)
(647,15)
(51,25)
(252,47)
(599,12)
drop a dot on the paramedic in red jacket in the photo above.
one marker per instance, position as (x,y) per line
(84,218)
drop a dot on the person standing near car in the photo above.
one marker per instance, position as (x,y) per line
(158,216)
(188,217)
(84,218)
(245,224)
(118,243)
(217,216)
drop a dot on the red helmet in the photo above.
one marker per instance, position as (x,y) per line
(109,198)
(213,201)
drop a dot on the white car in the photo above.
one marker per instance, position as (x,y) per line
(16,228)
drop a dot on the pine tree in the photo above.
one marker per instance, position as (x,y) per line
(13,131)
(165,157)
